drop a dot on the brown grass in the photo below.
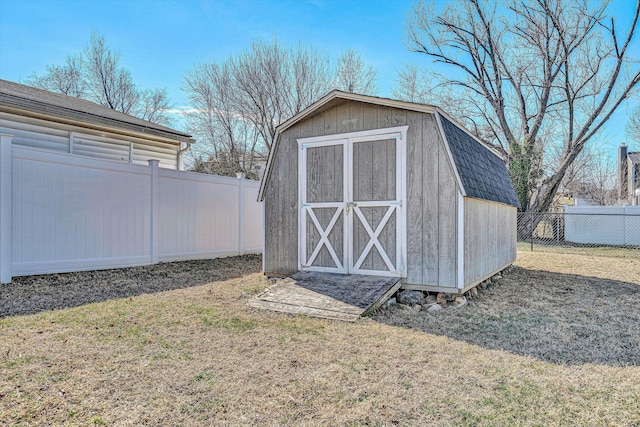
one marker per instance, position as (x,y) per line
(578,249)
(565,309)
(198,355)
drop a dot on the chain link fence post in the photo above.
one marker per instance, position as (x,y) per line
(531,229)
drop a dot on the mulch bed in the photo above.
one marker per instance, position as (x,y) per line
(32,294)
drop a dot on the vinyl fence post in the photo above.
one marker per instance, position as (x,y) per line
(153,242)
(5,208)
(241,178)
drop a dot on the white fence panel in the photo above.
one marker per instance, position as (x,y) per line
(252,210)
(70,213)
(198,216)
(605,225)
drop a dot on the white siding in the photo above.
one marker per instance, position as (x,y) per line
(165,152)
(101,148)
(86,142)
(30,135)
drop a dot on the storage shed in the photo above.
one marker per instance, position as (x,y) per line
(357,184)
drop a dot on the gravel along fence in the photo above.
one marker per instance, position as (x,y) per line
(589,233)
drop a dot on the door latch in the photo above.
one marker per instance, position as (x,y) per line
(349,206)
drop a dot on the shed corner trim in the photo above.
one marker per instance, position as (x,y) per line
(452,163)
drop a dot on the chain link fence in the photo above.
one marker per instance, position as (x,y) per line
(606,234)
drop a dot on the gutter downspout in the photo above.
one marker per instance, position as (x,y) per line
(181,154)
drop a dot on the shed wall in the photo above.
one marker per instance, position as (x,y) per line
(431,190)
(489,238)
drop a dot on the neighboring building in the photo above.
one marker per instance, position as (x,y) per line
(364,185)
(259,164)
(42,119)
(628,176)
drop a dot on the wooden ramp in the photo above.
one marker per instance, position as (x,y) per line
(327,295)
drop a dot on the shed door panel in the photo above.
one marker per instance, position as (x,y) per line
(325,177)
(374,170)
(323,210)
(376,202)
(335,237)
(351,194)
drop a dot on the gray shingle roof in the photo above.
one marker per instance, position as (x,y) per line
(18,96)
(483,174)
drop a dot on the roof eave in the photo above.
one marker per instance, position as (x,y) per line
(75,117)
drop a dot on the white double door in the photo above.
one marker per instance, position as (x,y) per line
(351,190)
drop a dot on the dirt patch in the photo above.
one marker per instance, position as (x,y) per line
(32,294)
(556,317)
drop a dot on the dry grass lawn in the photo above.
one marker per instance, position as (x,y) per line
(176,344)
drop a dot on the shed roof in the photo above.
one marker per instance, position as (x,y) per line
(15,96)
(483,174)
(481,171)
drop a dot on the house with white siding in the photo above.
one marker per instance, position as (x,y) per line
(45,120)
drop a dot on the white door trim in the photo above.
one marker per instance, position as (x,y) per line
(306,209)
(349,265)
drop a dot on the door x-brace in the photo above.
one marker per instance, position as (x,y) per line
(373,237)
(324,237)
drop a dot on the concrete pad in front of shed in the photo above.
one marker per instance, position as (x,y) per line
(327,295)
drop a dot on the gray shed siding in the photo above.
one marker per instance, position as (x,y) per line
(432,192)
(489,238)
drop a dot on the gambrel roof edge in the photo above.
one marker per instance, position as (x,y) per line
(443,122)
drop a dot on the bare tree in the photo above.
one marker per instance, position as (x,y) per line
(633,126)
(540,76)
(153,105)
(413,84)
(592,176)
(273,82)
(238,103)
(602,180)
(228,139)
(107,83)
(353,75)
(95,74)
(65,79)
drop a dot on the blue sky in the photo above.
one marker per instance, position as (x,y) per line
(161,40)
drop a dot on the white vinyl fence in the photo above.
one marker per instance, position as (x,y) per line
(604,225)
(60,212)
